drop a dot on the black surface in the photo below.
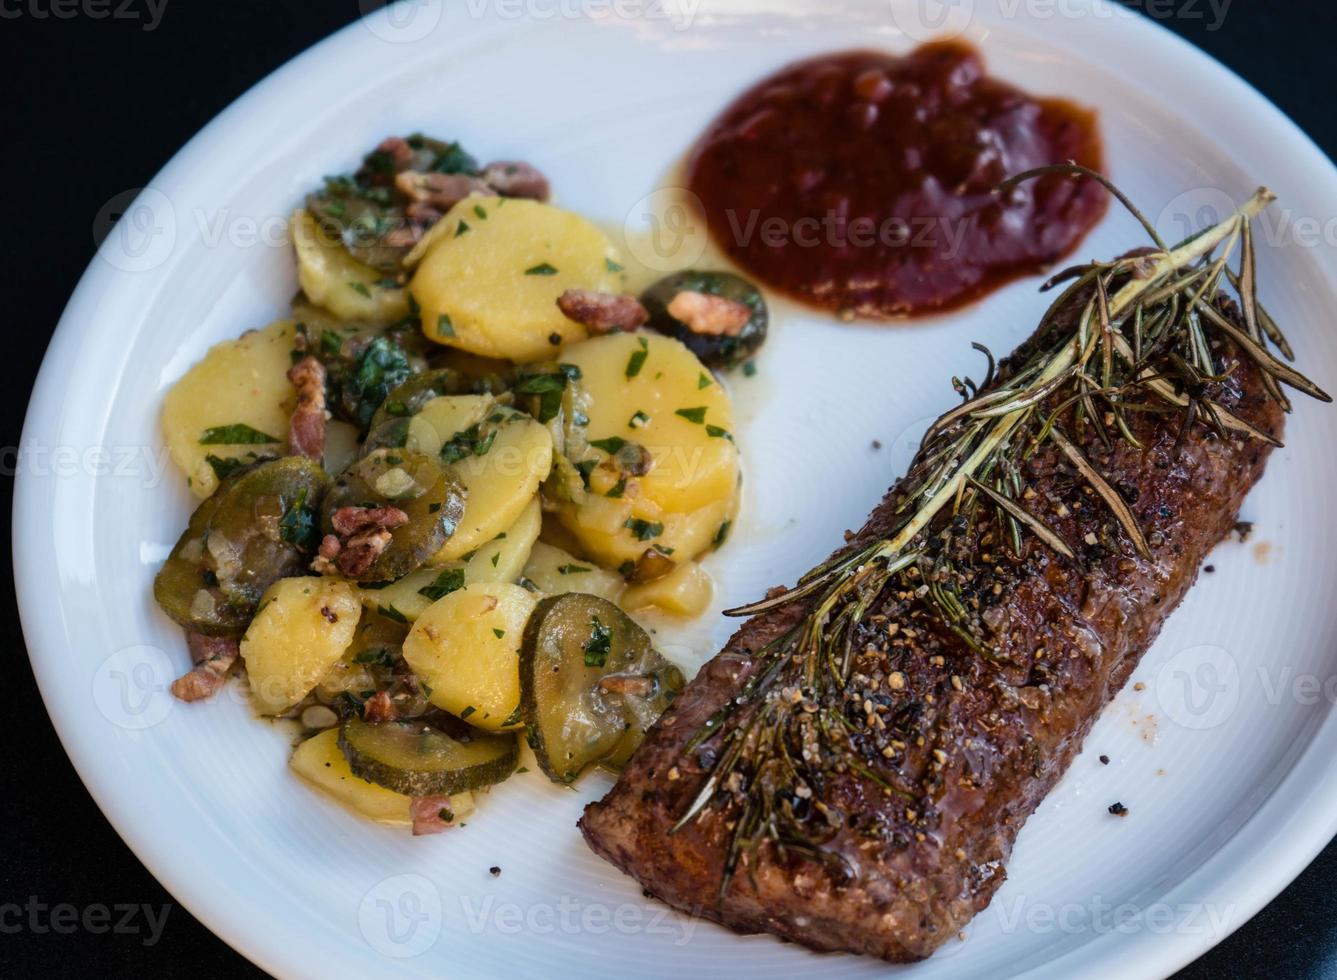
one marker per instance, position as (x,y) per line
(93,107)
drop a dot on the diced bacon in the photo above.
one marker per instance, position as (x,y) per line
(703,313)
(431,814)
(440,191)
(306,432)
(511,178)
(213,657)
(601,313)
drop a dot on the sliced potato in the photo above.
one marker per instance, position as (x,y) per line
(466,649)
(554,571)
(333,279)
(490,285)
(321,762)
(619,531)
(500,560)
(652,391)
(301,630)
(242,382)
(685,591)
(501,466)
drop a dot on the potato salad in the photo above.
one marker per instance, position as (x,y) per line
(433,499)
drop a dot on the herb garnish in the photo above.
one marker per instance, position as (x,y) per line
(236,434)
(599,645)
(643,530)
(542,269)
(696,415)
(451,580)
(637,359)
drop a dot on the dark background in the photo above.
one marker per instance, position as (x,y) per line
(92,107)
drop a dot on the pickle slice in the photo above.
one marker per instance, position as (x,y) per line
(591,684)
(417,759)
(418,485)
(255,529)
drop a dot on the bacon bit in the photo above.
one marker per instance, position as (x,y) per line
(431,815)
(601,313)
(636,687)
(361,552)
(398,150)
(440,191)
(213,657)
(379,707)
(512,178)
(306,431)
(703,313)
(351,520)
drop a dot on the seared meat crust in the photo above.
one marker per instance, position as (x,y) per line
(976,741)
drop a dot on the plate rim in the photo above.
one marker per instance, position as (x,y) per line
(1295,834)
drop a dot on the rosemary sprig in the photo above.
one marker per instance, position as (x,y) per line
(1141,342)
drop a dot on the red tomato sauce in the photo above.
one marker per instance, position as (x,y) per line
(862,182)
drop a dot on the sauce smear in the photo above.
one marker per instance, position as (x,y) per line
(862,182)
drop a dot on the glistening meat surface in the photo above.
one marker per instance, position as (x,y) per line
(964,744)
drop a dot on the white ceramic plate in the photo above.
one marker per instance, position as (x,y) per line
(1223,757)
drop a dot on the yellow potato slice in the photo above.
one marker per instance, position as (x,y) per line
(239,382)
(500,560)
(321,762)
(601,526)
(553,571)
(334,280)
(685,591)
(301,630)
(466,649)
(652,391)
(500,483)
(489,281)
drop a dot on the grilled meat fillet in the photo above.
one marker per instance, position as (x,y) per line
(968,743)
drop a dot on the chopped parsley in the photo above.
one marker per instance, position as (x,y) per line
(703,381)
(298,524)
(390,612)
(498,633)
(637,359)
(569,569)
(696,415)
(611,445)
(478,210)
(444,328)
(750,369)
(451,580)
(462,229)
(618,489)
(236,434)
(542,269)
(722,534)
(468,710)
(643,530)
(361,288)
(638,421)
(612,266)
(717,432)
(470,442)
(599,645)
